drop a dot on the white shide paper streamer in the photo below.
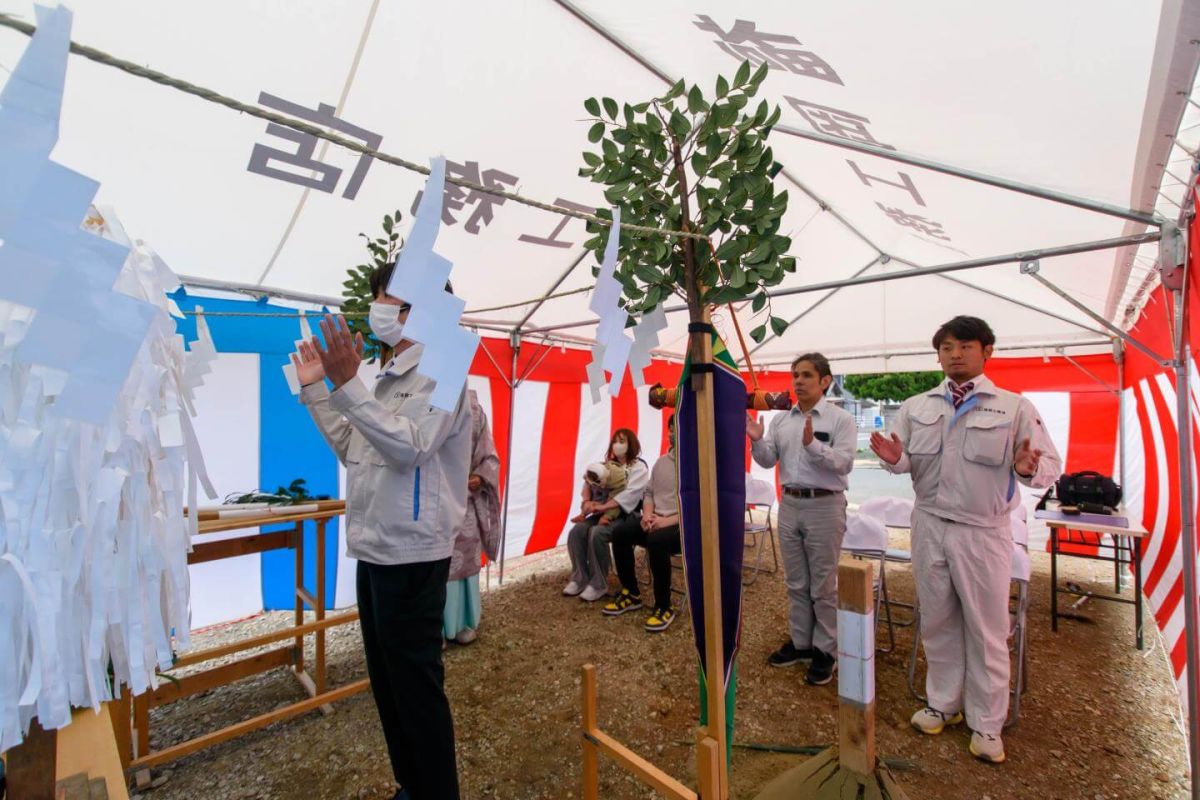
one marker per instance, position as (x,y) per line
(95,427)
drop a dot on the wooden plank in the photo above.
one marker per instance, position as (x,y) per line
(238,523)
(141,723)
(856,722)
(253,724)
(188,659)
(305,596)
(188,685)
(708,753)
(649,774)
(299,545)
(120,714)
(30,765)
(207,514)
(240,546)
(591,756)
(319,609)
(89,746)
(891,789)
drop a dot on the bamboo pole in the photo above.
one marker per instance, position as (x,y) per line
(591,757)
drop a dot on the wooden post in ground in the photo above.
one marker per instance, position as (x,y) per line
(851,769)
(856,646)
(591,757)
(714,655)
(31,765)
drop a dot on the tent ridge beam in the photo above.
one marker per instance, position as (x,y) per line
(1144,217)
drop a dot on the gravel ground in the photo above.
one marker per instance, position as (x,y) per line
(1099,720)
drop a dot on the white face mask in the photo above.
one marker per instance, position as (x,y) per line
(620,449)
(385,323)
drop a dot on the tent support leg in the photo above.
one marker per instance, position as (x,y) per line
(515,341)
(1119,357)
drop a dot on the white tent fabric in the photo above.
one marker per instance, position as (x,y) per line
(1079,97)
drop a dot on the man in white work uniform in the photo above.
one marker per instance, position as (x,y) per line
(967,444)
(814,444)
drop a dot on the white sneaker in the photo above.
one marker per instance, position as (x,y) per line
(987,747)
(592,594)
(573,588)
(466,636)
(930,721)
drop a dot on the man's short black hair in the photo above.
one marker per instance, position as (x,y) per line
(965,329)
(820,363)
(381,276)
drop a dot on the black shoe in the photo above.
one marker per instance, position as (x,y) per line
(788,655)
(820,671)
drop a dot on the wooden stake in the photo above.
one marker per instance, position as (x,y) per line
(31,765)
(856,720)
(591,758)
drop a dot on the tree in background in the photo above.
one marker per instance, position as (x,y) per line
(893,386)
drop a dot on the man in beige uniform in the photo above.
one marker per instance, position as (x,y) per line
(967,444)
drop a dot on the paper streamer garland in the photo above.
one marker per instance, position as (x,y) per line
(611,351)
(95,427)
(420,279)
(645,339)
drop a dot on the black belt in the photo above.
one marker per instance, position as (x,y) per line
(794,491)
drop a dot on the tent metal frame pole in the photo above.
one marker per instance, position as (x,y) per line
(566,273)
(880,258)
(929,352)
(1144,217)
(975,263)
(515,341)
(1108,386)
(1188,541)
(956,266)
(1030,268)
(1119,357)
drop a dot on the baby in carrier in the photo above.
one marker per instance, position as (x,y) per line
(606,479)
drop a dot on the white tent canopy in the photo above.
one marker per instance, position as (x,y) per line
(1082,98)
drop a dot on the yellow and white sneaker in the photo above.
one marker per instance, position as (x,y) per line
(987,747)
(931,722)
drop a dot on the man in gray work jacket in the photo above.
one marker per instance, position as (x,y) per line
(407,467)
(814,444)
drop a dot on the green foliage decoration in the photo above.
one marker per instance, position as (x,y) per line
(357,286)
(684,161)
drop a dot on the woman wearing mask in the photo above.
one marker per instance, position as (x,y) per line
(588,541)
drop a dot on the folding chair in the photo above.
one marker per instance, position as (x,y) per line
(760,495)
(867,538)
(893,512)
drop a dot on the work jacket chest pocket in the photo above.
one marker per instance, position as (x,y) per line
(986,441)
(925,434)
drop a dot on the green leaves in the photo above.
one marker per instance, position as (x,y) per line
(722,179)
(778,325)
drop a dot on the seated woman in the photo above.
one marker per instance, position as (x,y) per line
(657,530)
(587,543)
